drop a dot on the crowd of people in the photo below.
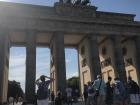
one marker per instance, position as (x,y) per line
(43,93)
(97,92)
(111,93)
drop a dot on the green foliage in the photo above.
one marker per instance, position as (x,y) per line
(14,89)
(73,82)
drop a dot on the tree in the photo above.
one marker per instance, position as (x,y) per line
(14,90)
(73,82)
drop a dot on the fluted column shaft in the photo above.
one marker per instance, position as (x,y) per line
(4,66)
(58,53)
(95,67)
(119,59)
(137,44)
(30,66)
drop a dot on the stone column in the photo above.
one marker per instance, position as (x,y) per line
(61,1)
(30,67)
(119,60)
(137,43)
(95,67)
(4,66)
(58,66)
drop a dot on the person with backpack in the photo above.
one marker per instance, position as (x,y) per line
(119,92)
(43,92)
(100,87)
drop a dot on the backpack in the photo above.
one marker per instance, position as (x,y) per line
(119,88)
(42,92)
(90,90)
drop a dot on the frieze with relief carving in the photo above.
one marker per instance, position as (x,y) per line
(128,62)
(106,62)
(75,10)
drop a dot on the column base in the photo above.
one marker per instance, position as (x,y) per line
(28,103)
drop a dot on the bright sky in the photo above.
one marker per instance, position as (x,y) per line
(18,55)
(18,59)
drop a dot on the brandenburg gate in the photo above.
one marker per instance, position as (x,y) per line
(107,43)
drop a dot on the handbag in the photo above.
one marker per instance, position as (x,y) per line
(97,91)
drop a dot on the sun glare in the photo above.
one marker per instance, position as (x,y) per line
(4,0)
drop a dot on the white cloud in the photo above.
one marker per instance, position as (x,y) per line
(69,75)
(17,67)
(68,60)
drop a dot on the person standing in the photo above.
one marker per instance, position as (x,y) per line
(99,86)
(119,92)
(43,92)
(85,93)
(109,92)
(58,98)
(69,95)
(91,94)
(52,98)
(133,87)
(133,91)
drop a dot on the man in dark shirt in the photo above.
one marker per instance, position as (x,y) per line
(109,92)
(133,87)
(43,92)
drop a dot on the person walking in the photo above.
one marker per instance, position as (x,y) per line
(99,86)
(109,92)
(43,92)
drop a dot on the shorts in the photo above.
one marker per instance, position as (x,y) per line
(43,102)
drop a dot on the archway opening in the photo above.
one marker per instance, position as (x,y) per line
(42,61)
(72,70)
(17,69)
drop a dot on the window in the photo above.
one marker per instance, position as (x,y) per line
(83,50)
(124,51)
(84,61)
(104,50)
